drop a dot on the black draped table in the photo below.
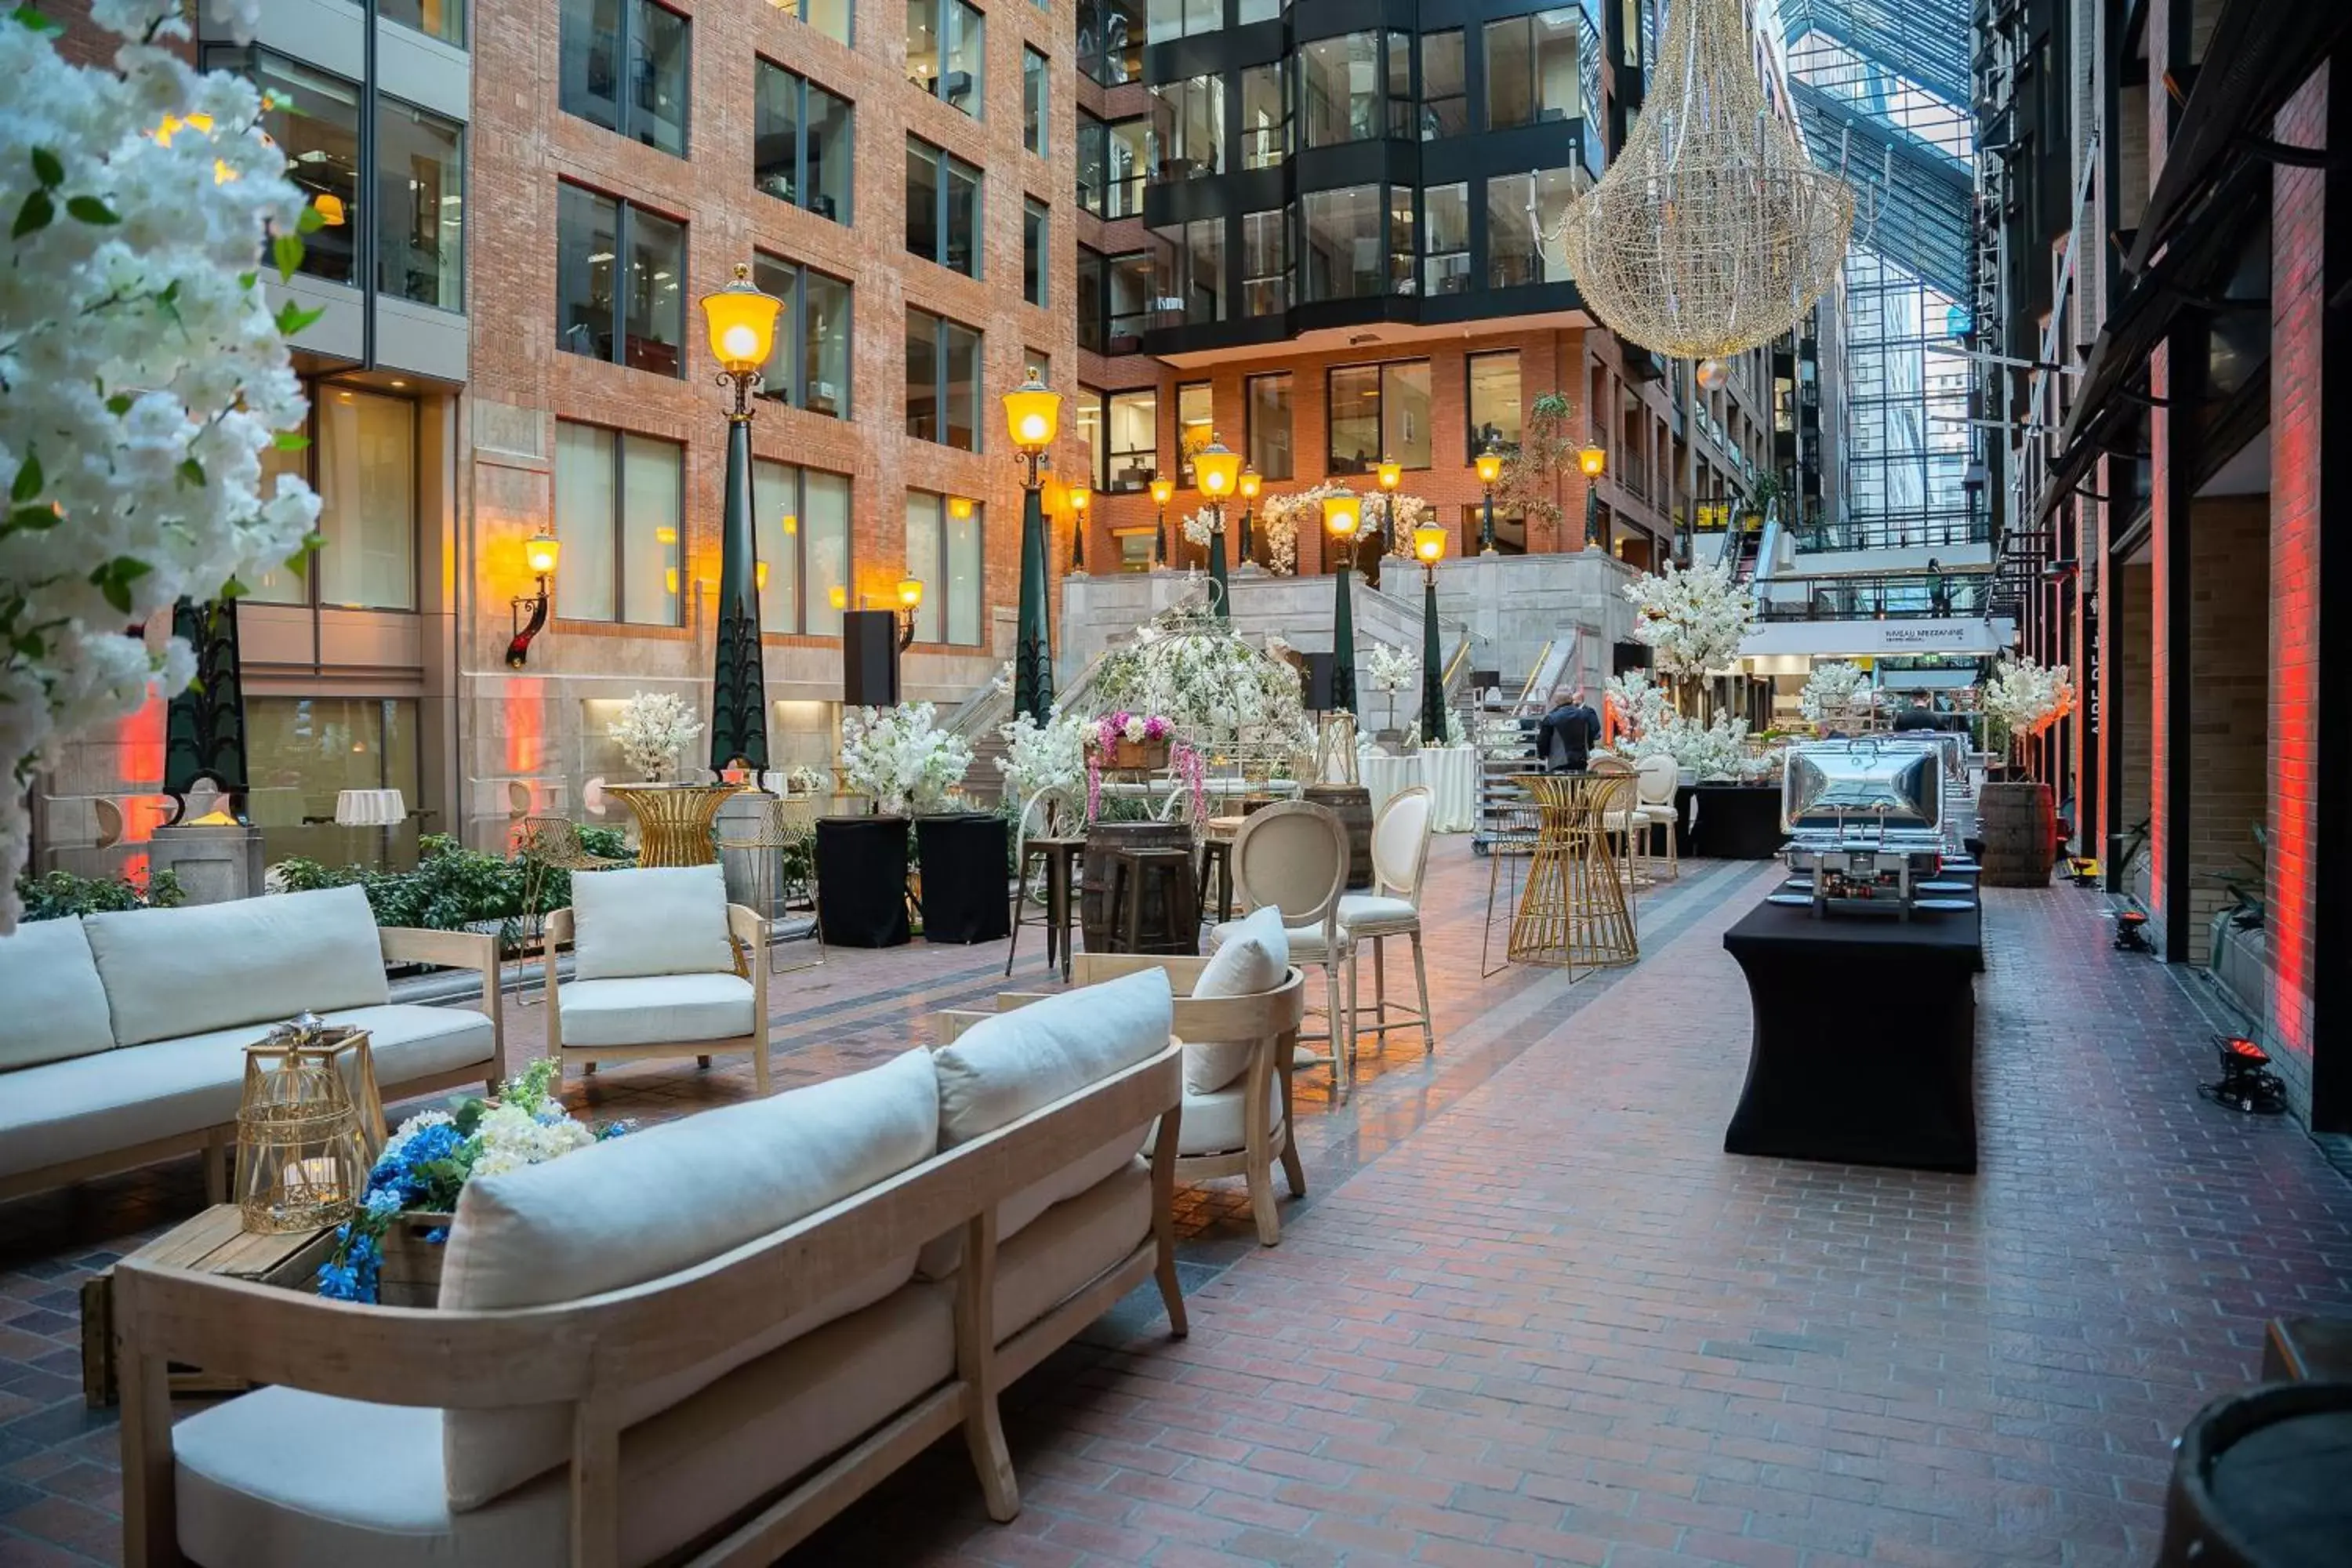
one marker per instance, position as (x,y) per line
(1736,822)
(861,880)
(964,896)
(1865,1042)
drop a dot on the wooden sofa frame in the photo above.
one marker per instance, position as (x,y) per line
(589,1353)
(401,944)
(749,935)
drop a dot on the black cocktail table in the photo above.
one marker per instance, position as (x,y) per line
(1736,822)
(1865,1042)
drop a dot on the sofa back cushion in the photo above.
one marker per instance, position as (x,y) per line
(1004,1068)
(1254,958)
(649,1203)
(56,1003)
(662,920)
(251,961)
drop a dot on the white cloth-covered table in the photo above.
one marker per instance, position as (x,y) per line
(370,808)
(1452,775)
(1384,777)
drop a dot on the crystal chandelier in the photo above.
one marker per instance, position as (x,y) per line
(1712,232)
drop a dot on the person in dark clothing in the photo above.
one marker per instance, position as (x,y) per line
(1915,716)
(1565,738)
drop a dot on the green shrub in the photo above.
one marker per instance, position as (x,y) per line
(57,895)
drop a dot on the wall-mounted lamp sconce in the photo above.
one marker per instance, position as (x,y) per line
(539,553)
(911,599)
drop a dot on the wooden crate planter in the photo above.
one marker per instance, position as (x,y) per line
(411,1275)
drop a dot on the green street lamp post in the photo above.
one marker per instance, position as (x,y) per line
(1032,414)
(1218,470)
(1429,546)
(1343,520)
(741,323)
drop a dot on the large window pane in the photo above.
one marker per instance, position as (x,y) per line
(1134,286)
(1265,117)
(1134,456)
(306,750)
(1190,116)
(776,526)
(1532,68)
(802,148)
(1345,242)
(1195,422)
(1269,424)
(367,492)
(824,337)
(1093,162)
(923,513)
(587,230)
(442,19)
(1035,251)
(962,218)
(1495,414)
(831,18)
(280,584)
(655,318)
(1355,416)
(1164,20)
(1110,40)
(658,69)
(825,547)
(1443,110)
(923,39)
(1339,88)
(922,200)
(1265,262)
(1559,90)
(625,66)
(651,475)
(945,42)
(962,393)
(316,123)
(1404,413)
(1089,419)
(590,32)
(922,374)
(1402,201)
(1033,101)
(966,588)
(1204,271)
(1521,210)
(421,195)
(587,508)
(1094,301)
(832,154)
(1446,266)
(1510,73)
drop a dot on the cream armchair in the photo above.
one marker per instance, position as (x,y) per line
(658,970)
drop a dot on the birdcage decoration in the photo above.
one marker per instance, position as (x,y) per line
(302,1152)
(1235,703)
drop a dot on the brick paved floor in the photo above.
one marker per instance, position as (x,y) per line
(1530,1312)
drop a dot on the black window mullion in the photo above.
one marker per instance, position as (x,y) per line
(800,141)
(623,225)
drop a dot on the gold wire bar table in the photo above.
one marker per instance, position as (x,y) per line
(1573,912)
(785,822)
(674,820)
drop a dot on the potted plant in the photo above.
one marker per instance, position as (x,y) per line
(1390,670)
(1137,741)
(2018,817)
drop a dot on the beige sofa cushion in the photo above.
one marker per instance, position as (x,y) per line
(1216,1123)
(55,1005)
(280,1478)
(95,1104)
(655,1009)
(657,920)
(174,972)
(1254,958)
(654,1202)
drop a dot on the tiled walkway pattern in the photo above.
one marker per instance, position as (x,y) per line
(1530,1312)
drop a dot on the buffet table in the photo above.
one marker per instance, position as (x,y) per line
(1728,821)
(1863,1047)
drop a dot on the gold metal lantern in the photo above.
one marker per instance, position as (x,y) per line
(301,1150)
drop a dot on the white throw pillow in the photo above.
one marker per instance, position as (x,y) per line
(655,1202)
(1254,958)
(56,1003)
(169,973)
(1006,1067)
(663,920)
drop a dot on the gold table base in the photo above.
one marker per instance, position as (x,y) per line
(1573,912)
(674,820)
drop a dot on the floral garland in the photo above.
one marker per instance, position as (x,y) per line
(1280,518)
(428,1162)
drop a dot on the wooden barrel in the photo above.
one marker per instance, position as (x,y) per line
(1096,916)
(2262,1479)
(1354,804)
(2020,835)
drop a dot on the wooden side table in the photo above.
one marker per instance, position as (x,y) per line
(215,1242)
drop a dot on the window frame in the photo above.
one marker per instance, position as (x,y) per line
(792,338)
(624,233)
(935,613)
(1289,418)
(1471,444)
(1038,262)
(950,17)
(805,601)
(305,465)
(940,380)
(1112,452)
(799,11)
(620,437)
(803,85)
(627,40)
(1036,117)
(945,164)
(1332,464)
(1207,389)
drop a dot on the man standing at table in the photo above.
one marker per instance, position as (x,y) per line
(1565,738)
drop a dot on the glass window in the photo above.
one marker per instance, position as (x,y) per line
(625,68)
(1259,11)
(922,374)
(942,208)
(618,511)
(1094,169)
(1495,410)
(1131,160)
(1133,422)
(315,121)
(1033,101)
(831,18)
(442,19)
(421,196)
(306,750)
(1089,418)
(944,548)
(1521,210)
(1038,364)
(1376,413)
(945,42)
(1189,120)
(1268,409)
(801,148)
(1531,69)
(1345,242)
(1265,263)
(280,584)
(942,380)
(824,549)
(1110,40)
(1036,249)
(1339,88)
(1446,254)
(367,502)
(1400,123)
(961,395)
(1195,422)
(1203,280)
(591,231)
(1443,103)
(1094,300)
(1164,20)
(1134,291)
(1265,117)
(1404,205)
(808,365)
(800,520)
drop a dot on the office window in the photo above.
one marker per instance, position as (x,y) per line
(942,208)
(800,518)
(1110,40)
(640,322)
(1266,410)
(1443,103)
(831,18)
(618,511)
(1445,240)
(1134,293)
(1115,160)
(1493,401)
(306,750)
(1355,88)
(442,19)
(1094,300)
(1033,101)
(1378,413)
(1404,202)
(1189,119)
(808,365)
(1195,422)
(1132,422)
(1265,262)
(1089,421)
(944,548)
(1531,69)
(1194,268)
(946,40)
(942,380)
(1265,117)
(802,148)
(1036,249)
(625,68)
(421,199)
(367,502)
(1522,210)
(315,121)
(1166,19)
(1345,242)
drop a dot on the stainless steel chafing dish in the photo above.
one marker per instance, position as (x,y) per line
(1865,819)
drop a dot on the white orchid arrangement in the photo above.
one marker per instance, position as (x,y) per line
(1834,691)
(1694,620)
(902,758)
(1390,669)
(146,374)
(2024,698)
(652,730)
(1051,755)
(803,779)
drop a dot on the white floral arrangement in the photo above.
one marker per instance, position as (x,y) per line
(902,758)
(1043,756)
(1390,668)
(652,730)
(1452,733)
(803,779)
(1500,735)
(1834,691)
(2024,698)
(1649,726)
(1217,691)
(1694,620)
(1636,702)
(146,373)
(1280,518)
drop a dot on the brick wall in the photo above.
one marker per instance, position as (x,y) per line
(2135,675)
(2228,695)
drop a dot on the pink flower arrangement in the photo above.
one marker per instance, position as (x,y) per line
(1108,730)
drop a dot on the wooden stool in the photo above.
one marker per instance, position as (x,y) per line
(1217,862)
(1058,860)
(1179,929)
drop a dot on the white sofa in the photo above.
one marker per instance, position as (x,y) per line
(122,1036)
(695,1342)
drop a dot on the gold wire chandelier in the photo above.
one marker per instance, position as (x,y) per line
(1712,232)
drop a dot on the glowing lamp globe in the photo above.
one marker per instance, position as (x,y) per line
(1081,498)
(1713,375)
(1391,474)
(1161,488)
(1429,543)
(541,552)
(760,575)
(1032,414)
(1343,515)
(1217,469)
(742,321)
(1593,461)
(1249,483)
(911,592)
(1490,466)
